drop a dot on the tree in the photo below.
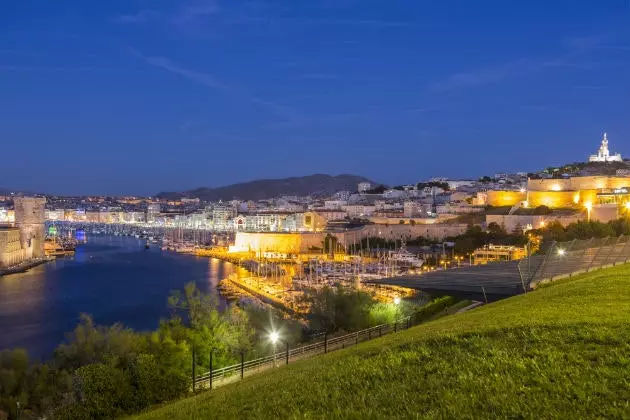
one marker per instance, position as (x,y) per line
(334,309)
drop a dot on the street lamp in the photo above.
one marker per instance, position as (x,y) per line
(397,305)
(274,337)
(561,252)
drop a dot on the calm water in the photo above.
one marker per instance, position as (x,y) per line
(112,278)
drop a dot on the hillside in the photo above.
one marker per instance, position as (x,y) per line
(559,352)
(261,189)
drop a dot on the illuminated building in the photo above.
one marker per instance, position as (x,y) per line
(25,240)
(11,250)
(29,219)
(491,253)
(603,154)
(364,186)
(283,243)
(153,211)
(222,217)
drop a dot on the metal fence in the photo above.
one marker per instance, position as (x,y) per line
(228,374)
(564,259)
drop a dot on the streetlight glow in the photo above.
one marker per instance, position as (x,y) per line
(561,252)
(274,337)
(396,300)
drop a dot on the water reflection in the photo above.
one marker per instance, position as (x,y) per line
(113,278)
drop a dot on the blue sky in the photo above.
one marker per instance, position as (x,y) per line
(139,96)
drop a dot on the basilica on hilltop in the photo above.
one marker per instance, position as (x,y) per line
(603,154)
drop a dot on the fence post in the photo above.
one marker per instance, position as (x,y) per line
(211,352)
(242,364)
(395,325)
(369,334)
(597,254)
(194,376)
(356,339)
(326,342)
(408,322)
(287,352)
(380,330)
(485,298)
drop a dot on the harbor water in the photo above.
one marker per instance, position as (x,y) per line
(112,278)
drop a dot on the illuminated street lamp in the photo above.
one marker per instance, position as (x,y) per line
(274,337)
(397,300)
(627,205)
(561,252)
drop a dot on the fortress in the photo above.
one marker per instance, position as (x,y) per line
(25,239)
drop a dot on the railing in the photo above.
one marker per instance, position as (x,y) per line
(228,374)
(564,259)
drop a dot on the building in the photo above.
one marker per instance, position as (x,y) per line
(24,240)
(223,217)
(493,253)
(413,209)
(283,243)
(364,187)
(603,154)
(11,250)
(153,211)
(29,219)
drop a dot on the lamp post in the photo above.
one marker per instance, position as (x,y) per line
(397,305)
(274,337)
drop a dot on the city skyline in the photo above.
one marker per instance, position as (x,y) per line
(141,97)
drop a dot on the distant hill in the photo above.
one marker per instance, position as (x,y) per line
(318,184)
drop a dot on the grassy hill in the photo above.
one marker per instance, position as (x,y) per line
(562,351)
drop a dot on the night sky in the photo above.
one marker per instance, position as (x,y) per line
(140,96)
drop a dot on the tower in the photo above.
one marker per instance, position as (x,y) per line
(29,218)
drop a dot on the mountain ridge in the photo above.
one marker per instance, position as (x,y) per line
(261,189)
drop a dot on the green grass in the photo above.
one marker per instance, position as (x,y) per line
(560,352)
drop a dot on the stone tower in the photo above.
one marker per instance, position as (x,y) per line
(29,218)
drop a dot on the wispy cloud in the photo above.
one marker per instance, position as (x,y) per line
(182,16)
(355,22)
(475,78)
(187,125)
(190,13)
(164,63)
(9,67)
(140,17)
(210,81)
(545,108)
(577,46)
(422,110)
(590,87)
(319,76)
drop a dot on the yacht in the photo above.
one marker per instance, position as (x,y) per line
(404,257)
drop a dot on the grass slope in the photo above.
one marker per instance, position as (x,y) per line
(560,352)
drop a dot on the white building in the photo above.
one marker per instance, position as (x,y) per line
(364,186)
(412,209)
(603,154)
